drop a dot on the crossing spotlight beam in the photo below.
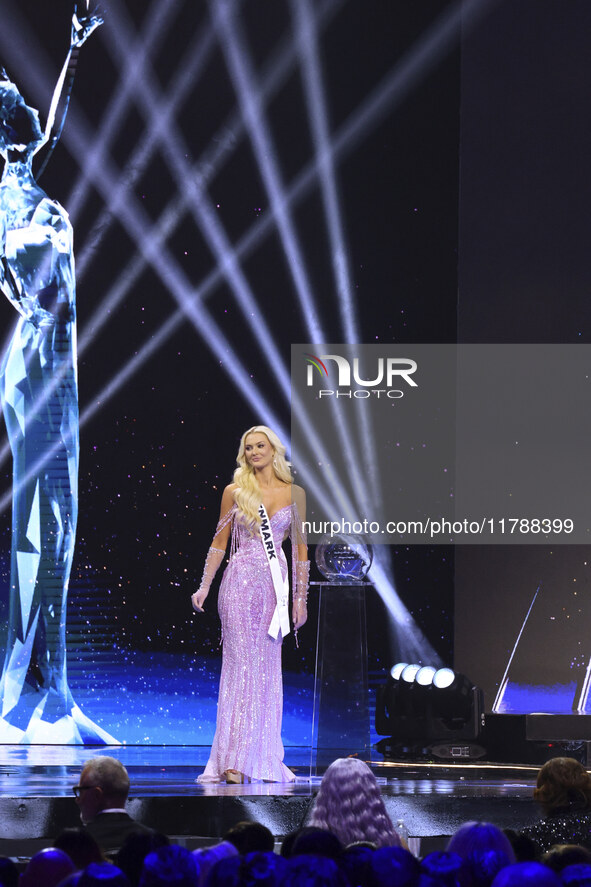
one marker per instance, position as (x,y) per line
(248,91)
(222,144)
(158,21)
(362,121)
(203,213)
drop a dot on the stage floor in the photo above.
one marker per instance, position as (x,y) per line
(51,771)
(36,799)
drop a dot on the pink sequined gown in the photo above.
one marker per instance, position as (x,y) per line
(250,701)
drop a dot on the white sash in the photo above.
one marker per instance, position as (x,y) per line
(280,620)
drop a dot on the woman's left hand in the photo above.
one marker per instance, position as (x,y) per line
(299,613)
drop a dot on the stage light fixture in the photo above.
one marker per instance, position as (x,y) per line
(453,702)
(424,676)
(443,677)
(397,670)
(422,709)
(408,674)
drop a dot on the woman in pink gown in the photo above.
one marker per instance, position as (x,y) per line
(252,602)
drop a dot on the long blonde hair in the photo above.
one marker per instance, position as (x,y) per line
(248,495)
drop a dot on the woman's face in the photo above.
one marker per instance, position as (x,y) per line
(258,451)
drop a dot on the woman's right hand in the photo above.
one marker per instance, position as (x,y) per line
(198,599)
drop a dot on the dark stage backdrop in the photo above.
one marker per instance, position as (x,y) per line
(525,276)
(158,451)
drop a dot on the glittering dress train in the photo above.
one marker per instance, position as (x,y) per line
(250,702)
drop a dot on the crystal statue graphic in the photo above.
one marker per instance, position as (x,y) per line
(38,384)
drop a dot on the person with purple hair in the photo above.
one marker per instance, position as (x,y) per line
(350,805)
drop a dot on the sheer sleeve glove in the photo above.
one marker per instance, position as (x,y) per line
(212,562)
(300,596)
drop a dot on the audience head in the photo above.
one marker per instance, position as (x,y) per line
(261,868)
(394,865)
(484,867)
(526,874)
(355,862)
(563,784)
(136,847)
(102,874)
(312,871)
(447,868)
(485,848)
(103,784)
(479,837)
(71,881)
(312,841)
(350,805)
(48,867)
(524,847)
(288,842)
(248,837)
(80,847)
(225,872)
(208,857)
(560,856)
(8,872)
(578,875)
(171,865)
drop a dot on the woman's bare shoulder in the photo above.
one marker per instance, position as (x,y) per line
(298,496)
(228,499)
